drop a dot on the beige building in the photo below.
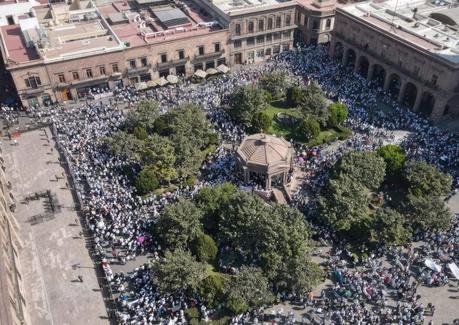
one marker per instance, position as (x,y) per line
(409,47)
(12,303)
(315,19)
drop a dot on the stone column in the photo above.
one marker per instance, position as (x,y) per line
(417,102)
(268,182)
(439,108)
(371,68)
(402,91)
(387,82)
(345,57)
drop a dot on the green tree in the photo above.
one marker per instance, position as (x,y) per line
(212,288)
(388,227)
(366,168)
(179,224)
(178,271)
(245,103)
(294,95)
(261,122)
(427,213)
(204,248)
(247,289)
(159,154)
(140,133)
(313,103)
(425,180)
(212,201)
(146,181)
(275,83)
(338,113)
(143,115)
(125,145)
(395,158)
(308,128)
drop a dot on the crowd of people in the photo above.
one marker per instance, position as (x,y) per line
(120,220)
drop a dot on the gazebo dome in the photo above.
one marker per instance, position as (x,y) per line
(264,149)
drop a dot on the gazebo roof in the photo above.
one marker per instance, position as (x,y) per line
(265,150)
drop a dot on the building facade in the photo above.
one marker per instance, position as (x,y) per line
(408,47)
(315,20)
(13,309)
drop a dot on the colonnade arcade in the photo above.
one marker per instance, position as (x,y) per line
(407,91)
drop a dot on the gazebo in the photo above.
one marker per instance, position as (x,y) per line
(265,158)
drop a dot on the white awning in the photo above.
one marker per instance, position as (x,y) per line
(172,79)
(200,73)
(161,81)
(212,71)
(223,68)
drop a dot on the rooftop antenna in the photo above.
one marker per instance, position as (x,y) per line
(392,26)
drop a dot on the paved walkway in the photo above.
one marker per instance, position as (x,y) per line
(52,243)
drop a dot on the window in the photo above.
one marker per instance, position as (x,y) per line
(277,36)
(276,49)
(115,67)
(32,82)
(250,55)
(269,37)
(237,29)
(270,23)
(237,44)
(434,80)
(217,47)
(287,34)
(250,28)
(285,47)
(133,80)
(75,75)
(145,77)
(260,53)
(163,58)
(102,70)
(250,41)
(328,23)
(89,73)
(268,51)
(181,54)
(198,66)
(201,50)
(10,20)
(261,25)
(278,22)
(61,77)
(131,64)
(46,100)
(315,24)
(143,62)
(288,19)
(260,39)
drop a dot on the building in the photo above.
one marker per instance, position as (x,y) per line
(315,19)
(265,159)
(12,304)
(409,47)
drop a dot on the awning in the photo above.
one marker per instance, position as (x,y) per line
(454,269)
(141,85)
(161,81)
(212,71)
(172,79)
(200,73)
(432,265)
(151,84)
(223,68)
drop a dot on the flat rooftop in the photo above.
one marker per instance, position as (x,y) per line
(433,26)
(157,23)
(228,6)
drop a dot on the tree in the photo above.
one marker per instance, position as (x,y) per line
(144,115)
(125,145)
(211,289)
(275,83)
(204,248)
(337,114)
(178,271)
(212,201)
(365,167)
(308,128)
(427,213)
(245,103)
(294,94)
(159,154)
(247,289)
(425,180)
(388,227)
(140,133)
(344,205)
(146,181)
(261,122)
(179,224)
(395,158)
(313,103)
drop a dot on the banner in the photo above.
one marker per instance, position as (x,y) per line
(454,269)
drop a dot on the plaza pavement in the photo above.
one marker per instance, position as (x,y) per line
(52,246)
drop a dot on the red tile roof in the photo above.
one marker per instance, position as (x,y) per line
(15,45)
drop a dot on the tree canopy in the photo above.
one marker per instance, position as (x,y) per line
(337,114)
(395,158)
(245,103)
(274,83)
(425,180)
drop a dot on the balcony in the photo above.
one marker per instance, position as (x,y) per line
(137,70)
(170,63)
(205,56)
(32,91)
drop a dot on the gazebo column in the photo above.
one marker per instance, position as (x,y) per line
(268,182)
(246,174)
(285,178)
